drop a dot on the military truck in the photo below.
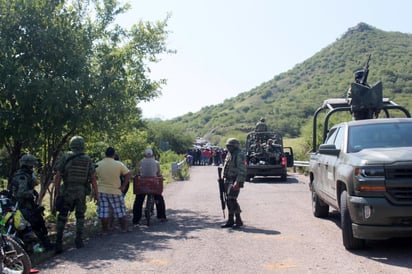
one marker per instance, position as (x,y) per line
(266,155)
(363,167)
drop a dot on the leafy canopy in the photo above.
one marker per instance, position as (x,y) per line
(66,68)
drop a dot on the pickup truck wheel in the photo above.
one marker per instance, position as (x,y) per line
(319,208)
(346,223)
(248,177)
(284,177)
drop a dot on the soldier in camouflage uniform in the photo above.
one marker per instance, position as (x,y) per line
(261,129)
(77,171)
(22,189)
(261,125)
(234,172)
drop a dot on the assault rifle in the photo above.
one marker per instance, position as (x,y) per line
(222,191)
(364,79)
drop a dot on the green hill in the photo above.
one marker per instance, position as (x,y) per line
(289,100)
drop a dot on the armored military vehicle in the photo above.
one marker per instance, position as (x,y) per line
(266,155)
(363,168)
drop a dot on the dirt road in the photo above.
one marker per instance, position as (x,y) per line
(280,236)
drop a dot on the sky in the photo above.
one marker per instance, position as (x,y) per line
(226,47)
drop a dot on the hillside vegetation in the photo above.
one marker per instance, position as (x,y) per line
(289,100)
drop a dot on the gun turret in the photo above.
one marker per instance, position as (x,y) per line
(365,100)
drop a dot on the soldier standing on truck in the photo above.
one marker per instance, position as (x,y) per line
(260,129)
(358,75)
(365,100)
(261,125)
(234,173)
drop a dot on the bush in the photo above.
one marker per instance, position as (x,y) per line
(167,158)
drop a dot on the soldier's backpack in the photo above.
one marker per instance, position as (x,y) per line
(21,182)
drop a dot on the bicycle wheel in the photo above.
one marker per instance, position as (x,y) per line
(148,211)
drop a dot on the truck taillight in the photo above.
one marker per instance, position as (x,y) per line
(284,161)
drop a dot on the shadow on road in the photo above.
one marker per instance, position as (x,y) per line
(254,230)
(395,252)
(273,180)
(100,250)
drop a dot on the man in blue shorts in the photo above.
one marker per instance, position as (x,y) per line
(110,190)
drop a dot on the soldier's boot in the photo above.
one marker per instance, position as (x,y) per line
(238,222)
(78,241)
(230,221)
(58,246)
(44,239)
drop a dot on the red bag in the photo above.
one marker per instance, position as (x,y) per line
(148,185)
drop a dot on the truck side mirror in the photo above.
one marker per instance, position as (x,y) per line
(329,149)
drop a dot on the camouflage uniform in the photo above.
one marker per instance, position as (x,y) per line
(273,152)
(260,130)
(261,126)
(75,168)
(234,173)
(22,189)
(257,148)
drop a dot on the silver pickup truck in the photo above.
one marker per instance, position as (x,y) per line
(364,170)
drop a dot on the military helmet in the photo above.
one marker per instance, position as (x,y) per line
(358,74)
(76,143)
(27,160)
(262,120)
(233,142)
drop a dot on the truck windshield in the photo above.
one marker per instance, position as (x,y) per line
(379,136)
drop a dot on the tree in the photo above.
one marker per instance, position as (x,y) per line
(160,132)
(67,68)
(132,146)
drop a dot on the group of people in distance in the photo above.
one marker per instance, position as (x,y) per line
(109,179)
(206,156)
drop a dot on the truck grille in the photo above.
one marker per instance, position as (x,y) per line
(399,184)
(399,173)
(401,194)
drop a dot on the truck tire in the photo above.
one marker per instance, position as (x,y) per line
(248,177)
(284,177)
(349,241)
(319,208)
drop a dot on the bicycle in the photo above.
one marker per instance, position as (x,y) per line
(149,208)
(150,186)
